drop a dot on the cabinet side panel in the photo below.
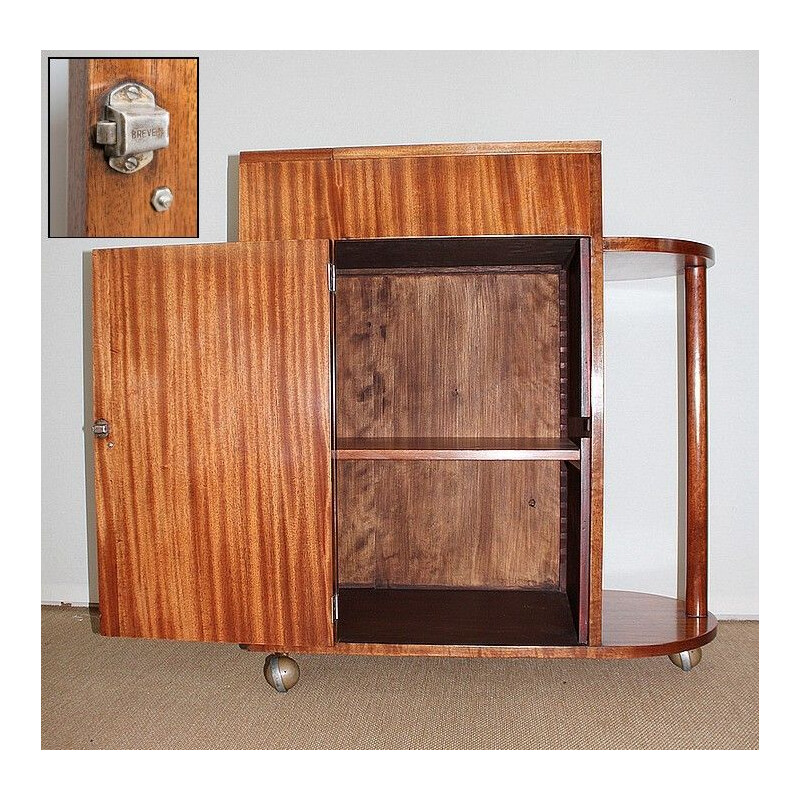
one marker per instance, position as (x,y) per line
(104,202)
(221,429)
(465,195)
(104,488)
(287,199)
(80,131)
(594,253)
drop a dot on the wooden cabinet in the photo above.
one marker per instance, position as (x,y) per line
(458,378)
(375,424)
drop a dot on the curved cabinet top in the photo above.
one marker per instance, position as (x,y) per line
(639,257)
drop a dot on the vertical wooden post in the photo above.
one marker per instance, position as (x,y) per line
(696,442)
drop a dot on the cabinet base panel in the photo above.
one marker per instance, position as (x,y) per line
(635,625)
(477,617)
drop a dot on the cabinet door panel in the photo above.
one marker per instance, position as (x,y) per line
(214,502)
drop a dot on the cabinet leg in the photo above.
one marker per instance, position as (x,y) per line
(281,672)
(687,658)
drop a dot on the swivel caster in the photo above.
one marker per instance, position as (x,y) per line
(281,672)
(686,659)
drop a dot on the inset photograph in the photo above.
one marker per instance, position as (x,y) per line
(123,147)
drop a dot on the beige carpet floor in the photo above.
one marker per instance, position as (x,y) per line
(100,693)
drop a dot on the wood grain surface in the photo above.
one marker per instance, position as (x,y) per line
(418,190)
(417,150)
(467,149)
(102,408)
(696,253)
(592,252)
(464,196)
(489,524)
(635,625)
(104,202)
(214,513)
(638,257)
(81,134)
(288,199)
(447,356)
(451,191)
(442,449)
(696,443)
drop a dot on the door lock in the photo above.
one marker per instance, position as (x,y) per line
(101,428)
(132,126)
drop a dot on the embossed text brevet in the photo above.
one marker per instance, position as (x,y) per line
(132,127)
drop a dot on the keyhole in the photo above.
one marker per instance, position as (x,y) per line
(532,502)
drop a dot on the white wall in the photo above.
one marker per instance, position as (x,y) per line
(680,139)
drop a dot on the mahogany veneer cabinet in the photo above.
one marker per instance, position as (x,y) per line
(374,425)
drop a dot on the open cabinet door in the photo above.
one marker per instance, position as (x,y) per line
(212,368)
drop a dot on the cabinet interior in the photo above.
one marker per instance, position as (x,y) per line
(460,386)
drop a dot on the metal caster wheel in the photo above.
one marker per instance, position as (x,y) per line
(281,672)
(686,659)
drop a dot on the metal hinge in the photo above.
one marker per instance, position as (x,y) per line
(335,607)
(331,278)
(132,126)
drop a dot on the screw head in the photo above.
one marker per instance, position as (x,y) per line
(131,163)
(132,92)
(162,198)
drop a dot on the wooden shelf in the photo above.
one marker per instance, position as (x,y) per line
(455,449)
(635,625)
(638,257)
(455,617)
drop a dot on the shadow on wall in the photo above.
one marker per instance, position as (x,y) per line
(58,136)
